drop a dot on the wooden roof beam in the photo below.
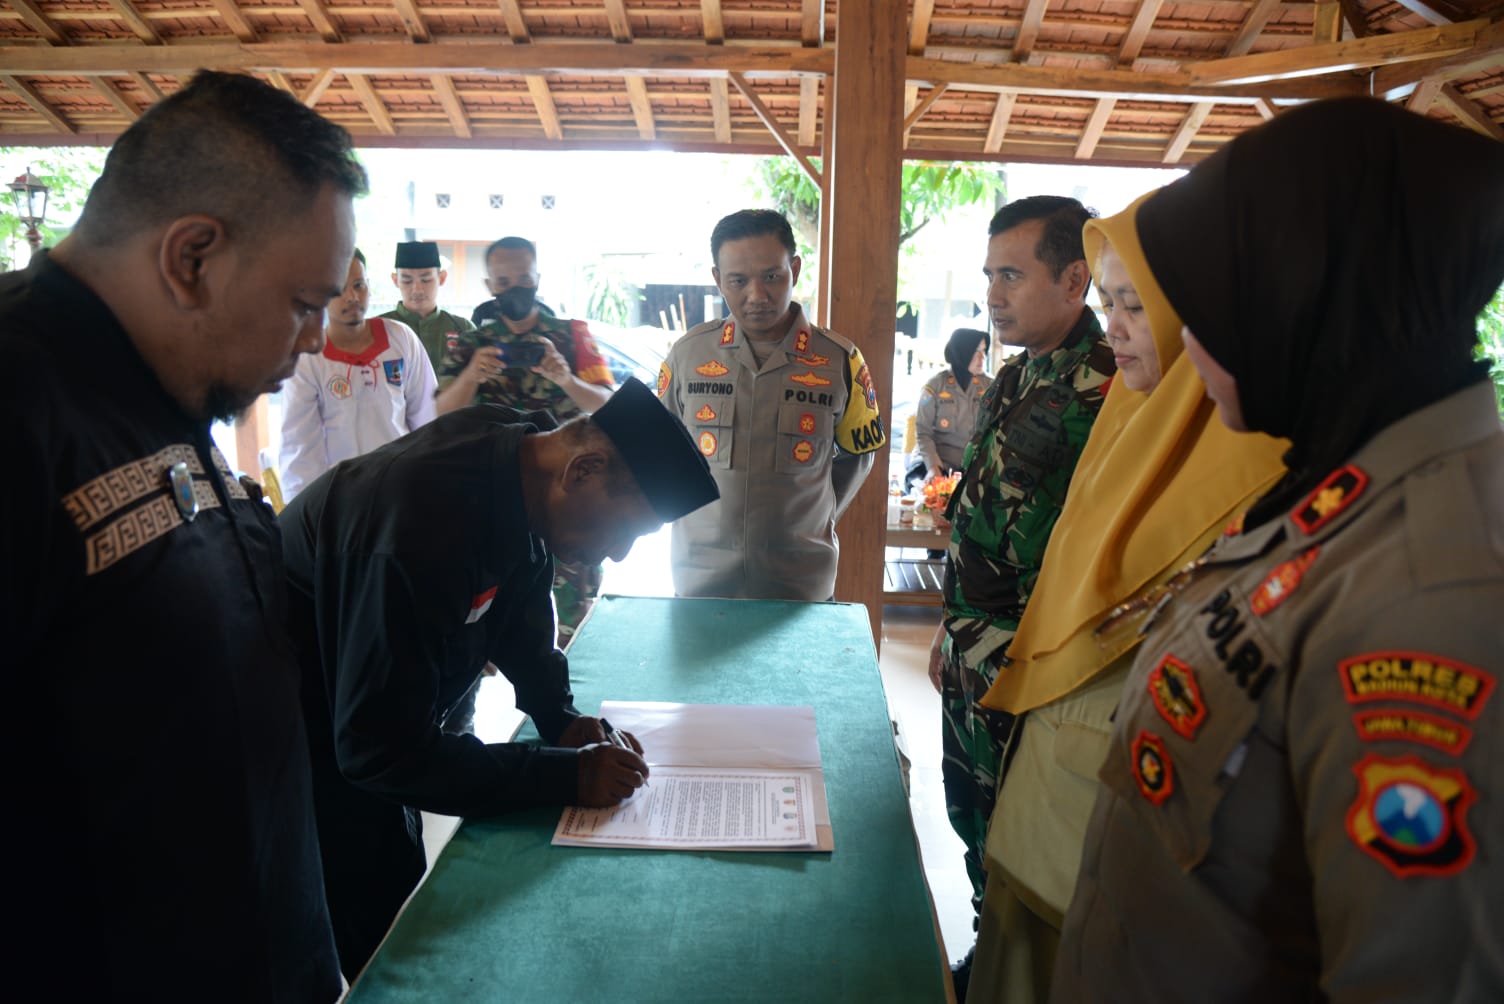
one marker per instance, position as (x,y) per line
(279,80)
(1265,109)
(113,95)
(1138,30)
(809,109)
(1353,14)
(621,26)
(919,26)
(485,58)
(1469,112)
(1356,53)
(1483,54)
(1326,26)
(1194,120)
(151,90)
(1096,124)
(511,14)
(1434,11)
(710,18)
(145,32)
(412,20)
(812,23)
(39,22)
(720,108)
(1424,96)
(1253,27)
(453,107)
(318,16)
(29,94)
(316,87)
(998,128)
(372,102)
(763,112)
(1028,30)
(923,106)
(642,108)
(229,13)
(543,101)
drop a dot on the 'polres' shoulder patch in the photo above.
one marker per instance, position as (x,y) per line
(1417,678)
(664,376)
(1411,817)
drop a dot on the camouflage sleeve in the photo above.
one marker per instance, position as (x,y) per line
(457,356)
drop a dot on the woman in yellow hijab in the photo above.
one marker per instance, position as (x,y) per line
(1160,477)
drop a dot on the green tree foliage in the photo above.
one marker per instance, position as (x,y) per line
(609,296)
(1491,342)
(68,173)
(930,190)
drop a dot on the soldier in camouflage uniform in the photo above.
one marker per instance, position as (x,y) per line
(1033,424)
(571,378)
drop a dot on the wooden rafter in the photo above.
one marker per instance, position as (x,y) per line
(720,109)
(774,127)
(1326,26)
(38,104)
(1095,125)
(1356,53)
(543,101)
(1482,55)
(809,109)
(412,20)
(642,108)
(112,94)
(812,23)
(229,12)
(511,13)
(39,22)
(316,87)
(1138,30)
(1468,112)
(318,15)
(1355,18)
(1189,126)
(1253,26)
(1434,11)
(374,106)
(924,105)
(152,91)
(1028,30)
(919,26)
(279,80)
(998,127)
(621,26)
(714,26)
(1265,109)
(1424,96)
(453,107)
(145,32)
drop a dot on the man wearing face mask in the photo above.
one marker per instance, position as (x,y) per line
(488,366)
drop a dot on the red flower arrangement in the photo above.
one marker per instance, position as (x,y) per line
(937,492)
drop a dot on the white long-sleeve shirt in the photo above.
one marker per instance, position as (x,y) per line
(339,405)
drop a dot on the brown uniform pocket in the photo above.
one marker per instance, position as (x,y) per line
(805,438)
(711,422)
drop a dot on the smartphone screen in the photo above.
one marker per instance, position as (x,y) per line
(524,355)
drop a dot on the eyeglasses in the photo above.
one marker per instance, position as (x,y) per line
(1151,601)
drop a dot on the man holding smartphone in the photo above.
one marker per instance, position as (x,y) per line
(531,360)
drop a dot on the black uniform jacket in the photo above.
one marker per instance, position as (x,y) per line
(153,745)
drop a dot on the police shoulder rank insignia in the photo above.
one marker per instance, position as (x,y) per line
(712,369)
(1412,726)
(706,413)
(707,443)
(664,376)
(1152,768)
(181,482)
(1280,583)
(806,423)
(393,370)
(1416,678)
(728,333)
(1411,817)
(1177,697)
(803,451)
(801,342)
(810,380)
(1340,490)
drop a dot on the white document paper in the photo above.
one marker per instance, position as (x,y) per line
(743,777)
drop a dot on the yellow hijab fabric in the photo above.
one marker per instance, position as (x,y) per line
(1158,480)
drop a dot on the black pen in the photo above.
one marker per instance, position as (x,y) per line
(618,740)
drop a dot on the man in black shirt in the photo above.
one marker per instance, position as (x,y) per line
(152,720)
(412,566)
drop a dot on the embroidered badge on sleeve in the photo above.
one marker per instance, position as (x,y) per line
(1411,817)
(1413,726)
(1152,768)
(664,376)
(1176,696)
(1416,678)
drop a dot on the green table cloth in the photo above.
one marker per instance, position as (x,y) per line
(505,916)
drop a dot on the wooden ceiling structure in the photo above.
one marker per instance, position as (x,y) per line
(1087,81)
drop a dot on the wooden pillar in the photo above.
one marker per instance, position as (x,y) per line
(863,182)
(252,435)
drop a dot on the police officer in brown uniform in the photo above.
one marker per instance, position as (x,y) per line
(1301,798)
(785,413)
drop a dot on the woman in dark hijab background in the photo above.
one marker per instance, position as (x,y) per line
(948,405)
(1303,797)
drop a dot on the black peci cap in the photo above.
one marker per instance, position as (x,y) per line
(657,448)
(417,254)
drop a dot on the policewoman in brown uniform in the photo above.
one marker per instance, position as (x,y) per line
(949,403)
(787,417)
(1301,798)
